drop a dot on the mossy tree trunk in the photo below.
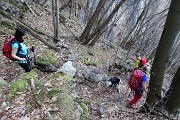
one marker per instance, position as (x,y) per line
(168,37)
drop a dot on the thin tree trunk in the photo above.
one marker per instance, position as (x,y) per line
(91,21)
(126,42)
(55,9)
(71,9)
(97,33)
(65,5)
(43,2)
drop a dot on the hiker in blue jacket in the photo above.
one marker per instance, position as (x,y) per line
(21,55)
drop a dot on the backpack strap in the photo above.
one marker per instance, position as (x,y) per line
(19,45)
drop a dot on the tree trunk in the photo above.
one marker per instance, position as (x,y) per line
(55,9)
(173,94)
(65,5)
(96,34)
(91,21)
(127,42)
(43,2)
(170,31)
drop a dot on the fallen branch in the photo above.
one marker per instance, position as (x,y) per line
(29,7)
(30,30)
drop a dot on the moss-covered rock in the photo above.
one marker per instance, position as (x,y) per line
(46,58)
(66,105)
(62,19)
(20,84)
(53,92)
(46,62)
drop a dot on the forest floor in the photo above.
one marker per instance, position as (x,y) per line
(114,103)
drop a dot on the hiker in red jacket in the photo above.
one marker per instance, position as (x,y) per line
(139,88)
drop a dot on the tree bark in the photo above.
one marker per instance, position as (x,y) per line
(96,34)
(65,5)
(55,11)
(91,21)
(127,42)
(171,28)
(173,94)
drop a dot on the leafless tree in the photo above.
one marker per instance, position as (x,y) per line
(171,29)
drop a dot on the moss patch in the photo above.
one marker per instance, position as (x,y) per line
(89,62)
(20,84)
(8,24)
(61,76)
(46,58)
(85,111)
(66,104)
(53,92)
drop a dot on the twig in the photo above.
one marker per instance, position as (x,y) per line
(29,7)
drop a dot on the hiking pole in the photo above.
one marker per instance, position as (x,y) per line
(33,60)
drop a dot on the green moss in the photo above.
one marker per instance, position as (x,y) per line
(62,19)
(85,111)
(46,58)
(20,84)
(53,92)
(8,24)
(28,41)
(87,61)
(29,75)
(66,77)
(61,76)
(23,8)
(66,105)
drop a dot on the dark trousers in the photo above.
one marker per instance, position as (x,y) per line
(26,66)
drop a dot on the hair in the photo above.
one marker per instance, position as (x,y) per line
(137,55)
(20,32)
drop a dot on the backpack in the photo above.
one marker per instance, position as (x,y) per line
(7,48)
(135,79)
(142,62)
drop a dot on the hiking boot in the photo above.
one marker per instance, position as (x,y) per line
(129,106)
